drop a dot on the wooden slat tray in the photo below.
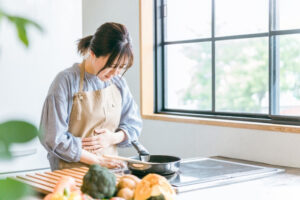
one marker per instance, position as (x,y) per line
(46,181)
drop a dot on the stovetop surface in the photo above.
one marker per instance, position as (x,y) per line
(210,172)
(197,173)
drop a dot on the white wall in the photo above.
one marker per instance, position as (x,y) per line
(189,140)
(26,74)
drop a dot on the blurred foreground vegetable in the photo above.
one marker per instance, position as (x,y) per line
(65,189)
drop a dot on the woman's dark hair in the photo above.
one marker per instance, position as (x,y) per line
(110,39)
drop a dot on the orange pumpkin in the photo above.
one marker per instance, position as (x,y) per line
(154,186)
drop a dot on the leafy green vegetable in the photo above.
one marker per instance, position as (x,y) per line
(99,182)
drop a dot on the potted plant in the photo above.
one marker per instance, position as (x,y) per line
(16,131)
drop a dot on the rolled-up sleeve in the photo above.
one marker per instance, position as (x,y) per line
(130,122)
(54,126)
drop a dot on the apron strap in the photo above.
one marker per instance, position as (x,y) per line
(82,70)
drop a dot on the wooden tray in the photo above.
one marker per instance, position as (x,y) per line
(45,182)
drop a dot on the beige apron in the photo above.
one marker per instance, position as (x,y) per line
(93,110)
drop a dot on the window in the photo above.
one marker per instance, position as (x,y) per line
(233,59)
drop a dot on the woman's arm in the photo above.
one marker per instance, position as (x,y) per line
(119,137)
(62,143)
(90,158)
(103,139)
(130,122)
(55,136)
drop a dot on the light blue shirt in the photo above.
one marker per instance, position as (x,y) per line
(60,143)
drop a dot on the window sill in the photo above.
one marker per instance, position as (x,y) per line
(224,123)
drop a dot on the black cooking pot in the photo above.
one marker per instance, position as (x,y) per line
(160,164)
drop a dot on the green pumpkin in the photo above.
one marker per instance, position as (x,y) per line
(159,197)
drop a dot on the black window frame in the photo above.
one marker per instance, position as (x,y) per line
(160,70)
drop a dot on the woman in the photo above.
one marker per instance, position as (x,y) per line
(89,110)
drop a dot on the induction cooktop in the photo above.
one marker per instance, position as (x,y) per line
(208,172)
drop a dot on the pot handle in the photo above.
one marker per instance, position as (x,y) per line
(140,148)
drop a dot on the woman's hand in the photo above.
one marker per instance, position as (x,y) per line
(110,163)
(90,158)
(103,138)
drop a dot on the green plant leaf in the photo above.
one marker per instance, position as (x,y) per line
(15,131)
(22,33)
(1,14)
(12,190)
(4,150)
(21,24)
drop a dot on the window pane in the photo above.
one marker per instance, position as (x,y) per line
(189,76)
(234,17)
(242,75)
(288,14)
(188,19)
(289,63)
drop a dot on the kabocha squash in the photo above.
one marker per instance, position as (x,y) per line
(99,182)
(154,187)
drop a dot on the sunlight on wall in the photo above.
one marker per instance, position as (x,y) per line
(26,74)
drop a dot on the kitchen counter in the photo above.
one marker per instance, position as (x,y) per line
(26,157)
(279,186)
